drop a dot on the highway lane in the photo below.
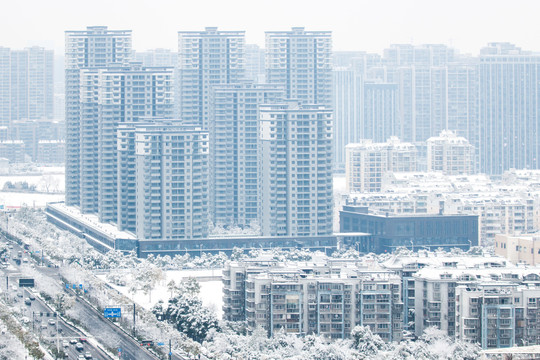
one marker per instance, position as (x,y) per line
(104,332)
(39,318)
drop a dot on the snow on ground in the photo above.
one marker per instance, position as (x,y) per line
(44,182)
(211,290)
(340,189)
(17,199)
(340,185)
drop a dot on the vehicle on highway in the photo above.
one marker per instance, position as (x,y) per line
(52,322)
(25,260)
(87,355)
(20,294)
(43,326)
(80,357)
(82,339)
(72,341)
(79,346)
(27,301)
(32,297)
(65,343)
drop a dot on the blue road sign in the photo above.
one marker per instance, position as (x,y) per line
(112,312)
(67,286)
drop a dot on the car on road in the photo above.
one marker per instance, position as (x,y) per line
(27,301)
(20,294)
(65,343)
(72,341)
(80,357)
(87,355)
(32,297)
(52,322)
(43,326)
(79,346)
(82,340)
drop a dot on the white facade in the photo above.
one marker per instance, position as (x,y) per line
(322,297)
(95,47)
(295,169)
(13,150)
(450,154)
(507,206)
(206,58)
(234,151)
(171,171)
(26,84)
(508,108)
(347,88)
(302,62)
(109,97)
(51,151)
(367,162)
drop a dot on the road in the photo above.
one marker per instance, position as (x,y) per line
(101,329)
(39,318)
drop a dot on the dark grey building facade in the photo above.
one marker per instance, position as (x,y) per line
(415,232)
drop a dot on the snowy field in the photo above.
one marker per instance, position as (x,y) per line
(47,179)
(17,199)
(211,291)
(51,181)
(340,189)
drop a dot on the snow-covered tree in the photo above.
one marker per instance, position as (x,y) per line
(365,341)
(186,312)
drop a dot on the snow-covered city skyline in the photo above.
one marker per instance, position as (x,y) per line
(285,180)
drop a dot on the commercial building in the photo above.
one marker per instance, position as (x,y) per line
(509,205)
(296,169)
(390,231)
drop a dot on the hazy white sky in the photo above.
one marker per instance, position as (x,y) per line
(369,25)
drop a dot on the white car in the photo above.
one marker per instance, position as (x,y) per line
(52,322)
